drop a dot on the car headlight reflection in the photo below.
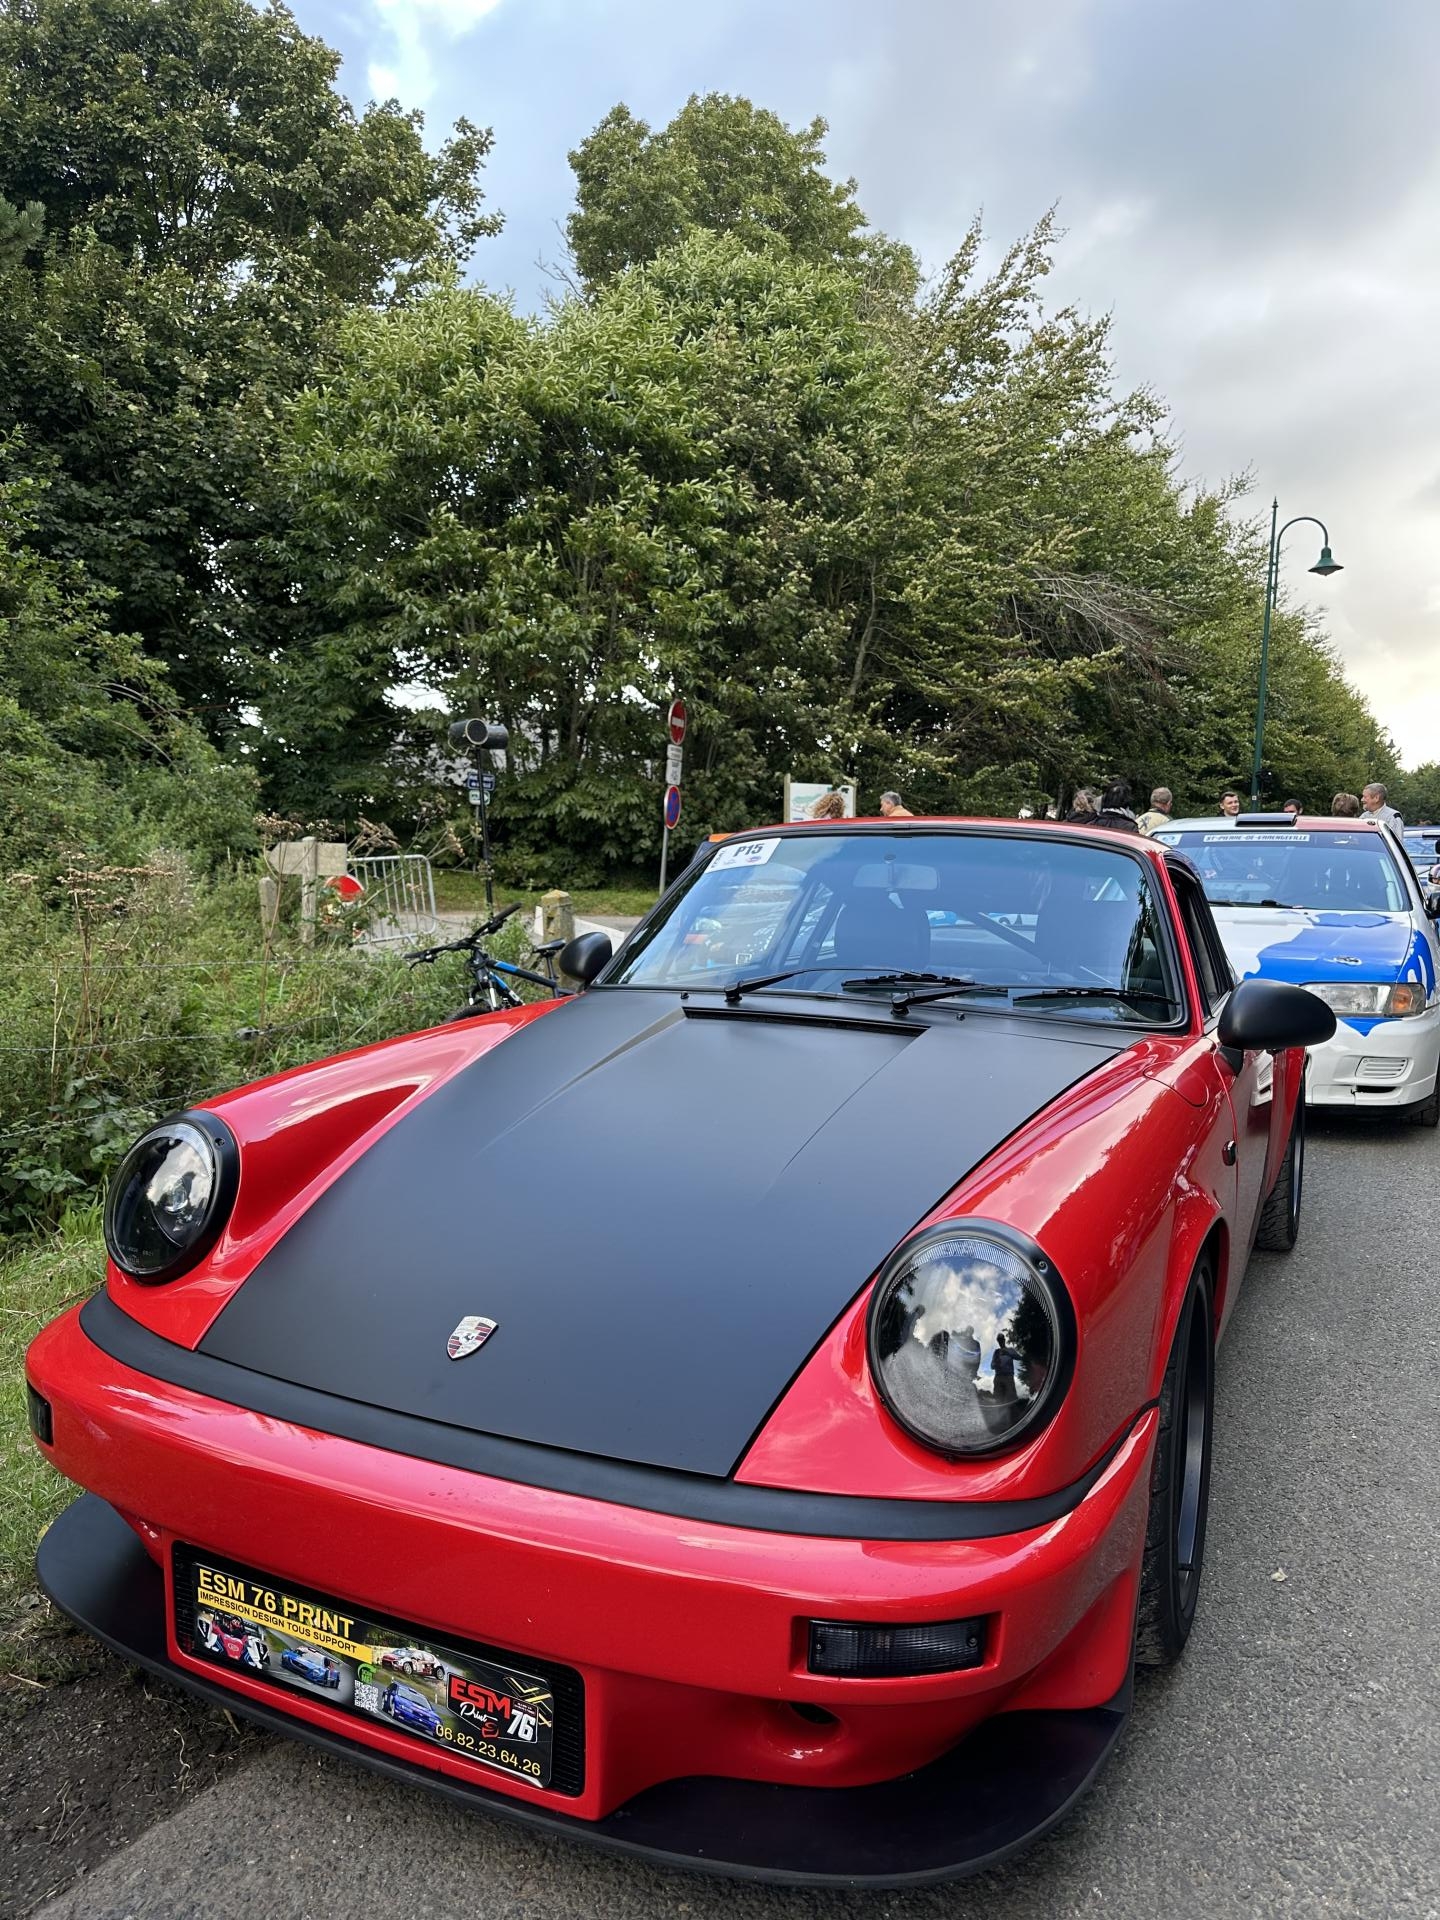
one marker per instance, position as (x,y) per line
(1366,1000)
(971,1337)
(171,1197)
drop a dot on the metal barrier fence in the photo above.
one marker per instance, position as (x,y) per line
(399,898)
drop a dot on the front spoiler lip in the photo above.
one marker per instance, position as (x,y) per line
(1009,1781)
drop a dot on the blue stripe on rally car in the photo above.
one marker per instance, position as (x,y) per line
(1309,956)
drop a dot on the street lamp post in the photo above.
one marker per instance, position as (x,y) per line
(1324,566)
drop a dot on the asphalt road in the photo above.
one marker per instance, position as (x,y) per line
(1290,1766)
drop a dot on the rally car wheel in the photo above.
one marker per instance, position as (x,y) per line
(1280,1215)
(1179,1487)
(1426,1113)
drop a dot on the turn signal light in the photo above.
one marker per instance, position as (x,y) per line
(42,1421)
(866,1651)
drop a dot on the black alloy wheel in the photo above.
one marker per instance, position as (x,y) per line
(1179,1486)
(1279,1222)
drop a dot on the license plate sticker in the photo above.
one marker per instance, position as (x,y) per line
(491,1713)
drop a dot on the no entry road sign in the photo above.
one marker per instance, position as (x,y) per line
(677,721)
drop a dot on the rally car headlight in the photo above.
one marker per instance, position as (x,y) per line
(972,1338)
(1371,1000)
(171,1197)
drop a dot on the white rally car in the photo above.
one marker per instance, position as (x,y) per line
(1334,905)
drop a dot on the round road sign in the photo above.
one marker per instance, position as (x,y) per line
(672,807)
(677,721)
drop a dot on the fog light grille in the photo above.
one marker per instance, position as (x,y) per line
(867,1651)
(1374,1069)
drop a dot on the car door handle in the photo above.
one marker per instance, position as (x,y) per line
(1228,1153)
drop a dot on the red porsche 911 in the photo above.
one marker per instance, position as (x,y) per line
(773,1385)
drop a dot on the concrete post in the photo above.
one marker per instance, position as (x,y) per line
(557,916)
(309,886)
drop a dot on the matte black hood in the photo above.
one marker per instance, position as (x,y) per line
(663,1212)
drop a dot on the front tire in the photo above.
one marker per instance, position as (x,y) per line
(1179,1486)
(1426,1113)
(1280,1215)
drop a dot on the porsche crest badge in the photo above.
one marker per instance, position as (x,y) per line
(473,1331)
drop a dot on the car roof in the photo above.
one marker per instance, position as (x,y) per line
(1308,822)
(923,823)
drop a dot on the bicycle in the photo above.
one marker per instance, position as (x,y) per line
(490,987)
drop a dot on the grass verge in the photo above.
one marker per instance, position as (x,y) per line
(38,1279)
(459,890)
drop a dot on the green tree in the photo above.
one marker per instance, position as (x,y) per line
(727,166)
(212,206)
(94,757)
(1416,794)
(564,524)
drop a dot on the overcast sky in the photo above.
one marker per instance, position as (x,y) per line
(1249,186)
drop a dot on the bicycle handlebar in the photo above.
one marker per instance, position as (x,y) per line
(468,941)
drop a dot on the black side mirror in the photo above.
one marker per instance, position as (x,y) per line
(1267,1016)
(1432,902)
(583,957)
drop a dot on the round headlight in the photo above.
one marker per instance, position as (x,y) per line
(972,1338)
(172,1195)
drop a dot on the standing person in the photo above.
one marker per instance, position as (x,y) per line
(893,808)
(1346,806)
(1002,1368)
(1293,808)
(1373,807)
(1116,809)
(1230,803)
(1160,811)
(1084,807)
(830,806)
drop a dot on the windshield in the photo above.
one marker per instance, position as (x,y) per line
(1327,872)
(1423,849)
(848,912)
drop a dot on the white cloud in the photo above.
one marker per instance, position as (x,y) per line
(409,32)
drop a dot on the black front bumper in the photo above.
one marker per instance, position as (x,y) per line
(1002,1787)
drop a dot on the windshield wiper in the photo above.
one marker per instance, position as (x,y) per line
(1092,993)
(753,985)
(1288,906)
(926,986)
(904,978)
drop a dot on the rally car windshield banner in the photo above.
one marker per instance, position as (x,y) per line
(488,1712)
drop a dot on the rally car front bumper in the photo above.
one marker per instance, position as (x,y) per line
(1393,1064)
(708,1741)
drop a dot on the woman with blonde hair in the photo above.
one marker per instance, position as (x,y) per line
(830,806)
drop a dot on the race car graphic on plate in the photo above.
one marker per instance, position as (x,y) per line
(233,1640)
(1331,905)
(321,1669)
(406,1704)
(413,1660)
(861,1236)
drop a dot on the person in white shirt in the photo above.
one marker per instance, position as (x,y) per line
(1372,802)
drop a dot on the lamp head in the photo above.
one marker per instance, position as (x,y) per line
(1326,564)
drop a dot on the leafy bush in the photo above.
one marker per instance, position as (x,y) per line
(126,993)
